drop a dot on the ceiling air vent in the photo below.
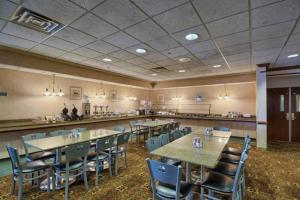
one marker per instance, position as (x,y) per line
(36,21)
(159,69)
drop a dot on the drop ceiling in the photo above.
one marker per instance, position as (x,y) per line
(237,34)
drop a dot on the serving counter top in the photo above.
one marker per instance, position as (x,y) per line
(19,125)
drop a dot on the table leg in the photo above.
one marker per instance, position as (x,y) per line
(202,173)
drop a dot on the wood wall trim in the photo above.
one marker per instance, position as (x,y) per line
(17,58)
(212,80)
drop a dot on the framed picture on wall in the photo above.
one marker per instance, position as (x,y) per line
(75,93)
(160,99)
(113,94)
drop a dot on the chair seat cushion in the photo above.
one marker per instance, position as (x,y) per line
(77,163)
(92,156)
(234,151)
(42,155)
(118,151)
(170,161)
(226,168)
(229,158)
(34,166)
(169,191)
(218,182)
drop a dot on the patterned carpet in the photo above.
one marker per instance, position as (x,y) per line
(270,174)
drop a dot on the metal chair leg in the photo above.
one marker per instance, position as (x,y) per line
(20,182)
(85,177)
(126,163)
(202,193)
(66,185)
(116,164)
(109,165)
(12,191)
(97,172)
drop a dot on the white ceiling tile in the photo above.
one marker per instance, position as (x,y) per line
(176,52)
(113,59)
(268,44)
(121,40)
(233,39)
(94,26)
(87,4)
(237,49)
(102,47)
(284,61)
(238,57)
(121,13)
(265,59)
(297,29)
(229,25)
(73,57)
(155,57)
(62,11)
(275,13)
(6,9)
(206,54)
(294,39)
(93,62)
(163,43)
(259,3)
(272,31)
(178,19)
(123,55)
(138,61)
(200,30)
(154,7)
(87,52)
(23,32)
(123,64)
(149,65)
(201,46)
(15,42)
(2,23)
(47,50)
(213,59)
(75,36)
(146,31)
(166,62)
(60,44)
(211,10)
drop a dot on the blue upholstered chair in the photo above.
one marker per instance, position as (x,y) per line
(224,184)
(165,181)
(100,155)
(164,138)
(74,164)
(21,171)
(120,150)
(187,130)
(41,155)
(176,134)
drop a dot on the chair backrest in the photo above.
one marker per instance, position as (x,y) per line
(220,128)
(123,139)
(75,151)
(58,133)
(152,144)
(176,134)
(165,173)
(177,124)
(166,128)
(119,129)
(238,173)
(187,130)
(164,139)
(32,136)
(14,157)
(132,125)
(104,143)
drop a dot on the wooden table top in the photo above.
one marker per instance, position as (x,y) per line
(182,149)
(153,123)
(64,140)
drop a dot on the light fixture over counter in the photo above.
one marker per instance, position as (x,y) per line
(176,98)
(53,93)
(100,94)
(132,97)
(225,96)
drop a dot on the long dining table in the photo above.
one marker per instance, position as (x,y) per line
(58,142)
(153,124)
(206,156)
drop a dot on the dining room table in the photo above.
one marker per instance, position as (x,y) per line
(206,156)
(153,124)
(59,142)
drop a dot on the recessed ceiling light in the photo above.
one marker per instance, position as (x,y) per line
(293,55)
(107,59)
(154,74)
(184,59)
(191,36)
(217,66)
(141,50)
(181,70)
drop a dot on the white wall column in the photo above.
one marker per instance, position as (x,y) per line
(261,107)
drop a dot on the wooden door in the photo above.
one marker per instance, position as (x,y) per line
(295,111)
(277,111)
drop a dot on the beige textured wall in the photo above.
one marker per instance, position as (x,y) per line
(25,95)
(243,98)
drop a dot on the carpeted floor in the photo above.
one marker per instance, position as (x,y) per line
(270,174)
